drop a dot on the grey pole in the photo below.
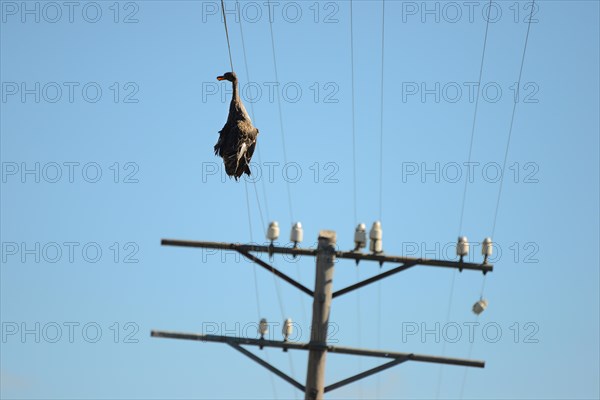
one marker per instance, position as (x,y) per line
(315,375)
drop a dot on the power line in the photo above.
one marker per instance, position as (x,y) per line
(378,386)
(464,198)
(253,118)
(353,120)
(379,305)
(262,182)
(227,34)
(259,158)
(512,119)
(464,380)
(252,241)
(280,112)
(359,329)
(381,113)
(259,207)
(354,195)
(441,370)
(281,307)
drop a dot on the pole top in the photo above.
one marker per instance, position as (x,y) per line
(328,235)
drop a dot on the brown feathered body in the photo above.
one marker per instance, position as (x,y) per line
(237,139)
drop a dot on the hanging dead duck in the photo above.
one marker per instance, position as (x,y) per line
(237,139)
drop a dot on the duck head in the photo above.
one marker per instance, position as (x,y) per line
(228,76)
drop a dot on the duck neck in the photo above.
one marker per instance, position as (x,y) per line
(236,95)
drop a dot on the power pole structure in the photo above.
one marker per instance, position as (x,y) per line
(315,375)
(326,255)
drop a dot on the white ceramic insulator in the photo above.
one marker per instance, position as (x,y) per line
(462,247)
(360,236)
(263,327)
(273,231)
(297,234)
(376,233)
(487,247)
(287,328)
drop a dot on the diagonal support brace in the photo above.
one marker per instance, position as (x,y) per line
(275,271)
(364,374)
(268,366)
(375,278)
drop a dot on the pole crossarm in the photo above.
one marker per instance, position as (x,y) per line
(351,255)
(325,347)
(373,279)
(268,366)
(236,246)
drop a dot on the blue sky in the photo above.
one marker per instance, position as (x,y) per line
(109,114)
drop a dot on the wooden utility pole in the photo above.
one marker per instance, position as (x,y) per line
(326,256)
(315,374)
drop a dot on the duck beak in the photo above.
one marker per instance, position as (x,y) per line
(220,78)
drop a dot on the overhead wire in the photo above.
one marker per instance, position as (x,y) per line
(379,305)
(506,151)
(512,119)
(464,379)
(353,119)
(285,159)
(227,33)
(264,192)
(354,185)
(256,286)
(381,112)
(277,288)
(464,196)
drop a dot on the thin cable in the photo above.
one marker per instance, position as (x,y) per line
(262,220)
(464,198)
(283,317)
(298,274)
(353,122)
(256,289)
(301,296)
(277,288)
(441,370)
(381,114)
(285,159)
(254,182)
(512,119)
(273,386)
(354,196)
(482,287)
(227,34)
(378,386)
(464,380)
(264,192)
(246,190)
(287,183)
(252,241)
(359,331)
